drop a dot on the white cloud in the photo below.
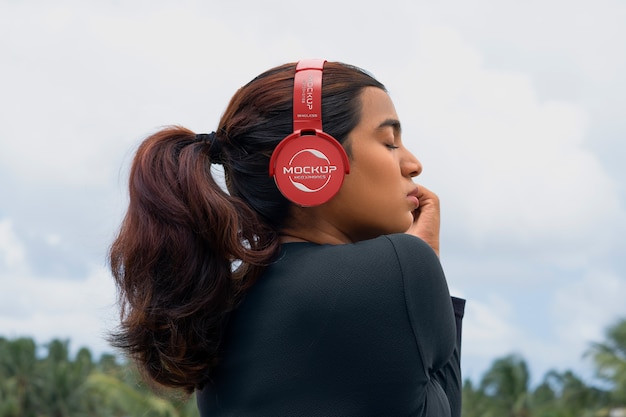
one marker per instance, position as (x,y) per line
(511,169)
(12,252)
(488,331)
(80,310)
(553,337)
(99,79)
(52,239)
(586,307)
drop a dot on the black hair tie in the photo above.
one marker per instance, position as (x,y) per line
(215,147)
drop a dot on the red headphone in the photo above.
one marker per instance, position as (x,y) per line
(308,165)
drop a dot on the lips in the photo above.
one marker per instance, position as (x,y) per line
(413,197)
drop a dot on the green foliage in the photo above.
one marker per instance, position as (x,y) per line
(504,389)
(506,384)
(56,385)
(610,360)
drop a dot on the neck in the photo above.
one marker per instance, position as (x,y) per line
(287,238)
(311,235)
(310,224)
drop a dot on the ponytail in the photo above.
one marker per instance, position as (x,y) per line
(184,256)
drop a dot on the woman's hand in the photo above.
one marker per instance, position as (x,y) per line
(426,218)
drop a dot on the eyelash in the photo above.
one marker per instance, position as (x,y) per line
(392,146)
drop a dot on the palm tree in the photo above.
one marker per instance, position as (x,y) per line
(610,361)
(123,399)
(544,397)
(507,382)
(566,395)
(475,402)
(17,371)
(60,381)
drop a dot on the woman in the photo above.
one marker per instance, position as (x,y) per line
(269,307)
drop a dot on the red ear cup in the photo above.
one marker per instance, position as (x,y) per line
(309,165)
(309,168)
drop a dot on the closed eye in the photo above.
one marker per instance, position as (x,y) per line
(391,146)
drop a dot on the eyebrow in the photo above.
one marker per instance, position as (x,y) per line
(393,123)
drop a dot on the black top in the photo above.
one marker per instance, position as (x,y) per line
(363,329)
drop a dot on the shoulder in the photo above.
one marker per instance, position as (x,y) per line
(369,270)
(401,244)
(427,299)
(400,252)
(421,271)
(402,273)
(409,246)
(415,258)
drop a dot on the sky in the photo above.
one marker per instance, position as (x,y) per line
(515,109)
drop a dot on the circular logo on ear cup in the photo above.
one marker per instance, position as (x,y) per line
(309,170)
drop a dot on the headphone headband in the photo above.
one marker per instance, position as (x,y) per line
(307,95)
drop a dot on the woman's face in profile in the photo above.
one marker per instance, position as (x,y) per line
(376,196)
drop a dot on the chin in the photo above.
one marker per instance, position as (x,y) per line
(406,225)
(401,228)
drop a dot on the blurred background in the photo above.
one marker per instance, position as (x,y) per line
(515,109)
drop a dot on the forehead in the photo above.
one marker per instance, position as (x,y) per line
(377,109)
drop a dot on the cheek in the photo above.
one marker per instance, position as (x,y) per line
(386,182)
(374,176)
(378,170)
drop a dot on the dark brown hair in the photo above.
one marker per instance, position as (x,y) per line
(187,251)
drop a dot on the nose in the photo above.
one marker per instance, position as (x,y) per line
(410,165)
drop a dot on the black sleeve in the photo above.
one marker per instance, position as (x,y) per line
(436,320)
(449,376)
